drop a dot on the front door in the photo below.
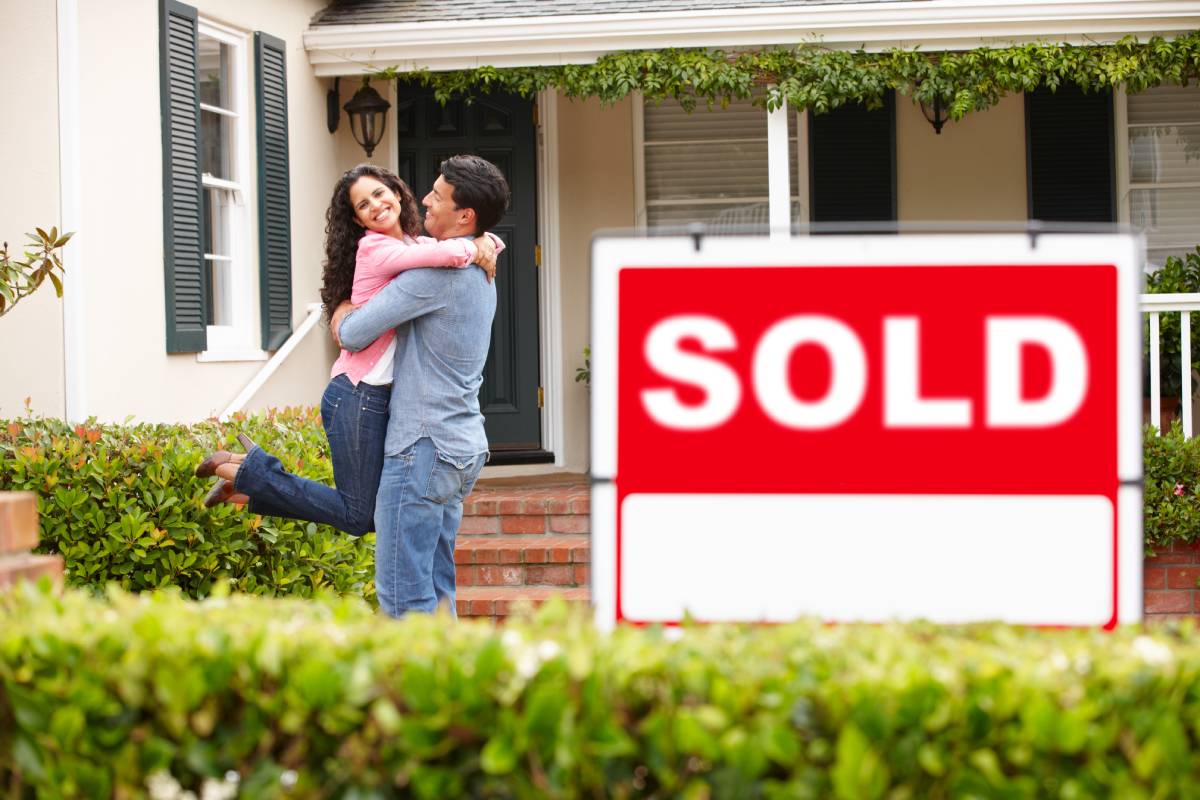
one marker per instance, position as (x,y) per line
(500,128)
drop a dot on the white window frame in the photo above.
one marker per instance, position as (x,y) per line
(239,341)
(1125,185)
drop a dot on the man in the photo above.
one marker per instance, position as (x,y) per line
(436,443)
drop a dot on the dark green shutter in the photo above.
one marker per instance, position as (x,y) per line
(183,209)
(852,163)
(1069,155)
(274,204)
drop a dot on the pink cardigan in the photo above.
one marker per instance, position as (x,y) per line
(381,258)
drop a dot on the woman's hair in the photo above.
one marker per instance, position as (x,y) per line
(343,230)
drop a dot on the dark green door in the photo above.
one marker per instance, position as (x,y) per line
(500,128)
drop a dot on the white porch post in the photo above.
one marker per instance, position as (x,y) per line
(778,189)
(74,305)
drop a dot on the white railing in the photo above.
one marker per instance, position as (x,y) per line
(268,369)
(1183,304)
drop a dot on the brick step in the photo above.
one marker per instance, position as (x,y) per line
(523,561)
(561,509)
(496,603)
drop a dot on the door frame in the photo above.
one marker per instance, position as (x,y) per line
(549,274)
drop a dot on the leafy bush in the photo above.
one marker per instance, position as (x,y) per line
(1171,489)
(280,697)
(120,504)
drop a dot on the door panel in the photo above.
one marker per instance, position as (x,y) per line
(500,128)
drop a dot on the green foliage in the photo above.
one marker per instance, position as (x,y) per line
(316,699)
(1171,488)
(584,374)
(121,504)
(1180,275)
(816,77)
(19,279)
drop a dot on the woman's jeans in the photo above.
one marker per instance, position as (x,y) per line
(355,420)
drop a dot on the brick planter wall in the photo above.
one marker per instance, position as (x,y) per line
(1169,583)
(19,535)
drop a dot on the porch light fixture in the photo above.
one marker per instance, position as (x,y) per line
(368,117)
(935,113)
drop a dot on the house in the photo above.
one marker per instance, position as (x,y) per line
(199,203)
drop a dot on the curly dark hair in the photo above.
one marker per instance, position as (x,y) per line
(343,230)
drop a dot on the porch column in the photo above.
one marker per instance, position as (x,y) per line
(778,182)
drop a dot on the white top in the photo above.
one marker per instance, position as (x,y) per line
(381,373)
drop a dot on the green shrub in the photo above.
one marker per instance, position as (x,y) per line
(120,504)
(1171,489)
(308,699)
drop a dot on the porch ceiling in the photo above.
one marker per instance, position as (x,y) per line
(363,36)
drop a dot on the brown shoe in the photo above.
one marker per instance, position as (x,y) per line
(208,467)
(223,492)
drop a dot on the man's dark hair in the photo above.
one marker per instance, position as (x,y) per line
(478,185)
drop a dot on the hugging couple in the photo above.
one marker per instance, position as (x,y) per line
(402,408)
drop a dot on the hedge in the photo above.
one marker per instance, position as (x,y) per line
(120,503)
(267,697)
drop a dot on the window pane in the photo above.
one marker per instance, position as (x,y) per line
(1165,104)
(220,289)
(216,137)
(215,66)
(1170,217)
(216,221)
(715,155)
(1165,153)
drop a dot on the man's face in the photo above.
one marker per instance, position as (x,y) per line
(442,218)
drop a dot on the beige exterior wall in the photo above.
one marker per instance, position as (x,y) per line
(31,335)
(127,370)
(973,170)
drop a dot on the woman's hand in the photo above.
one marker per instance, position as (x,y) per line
(335,322)
(486,255)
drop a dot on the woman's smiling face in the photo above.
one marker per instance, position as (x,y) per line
(375,205)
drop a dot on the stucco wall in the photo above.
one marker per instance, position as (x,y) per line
(973,170)
(128,371)
(31,335)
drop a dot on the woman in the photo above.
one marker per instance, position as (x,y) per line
(371,234)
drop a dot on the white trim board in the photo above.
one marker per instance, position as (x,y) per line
(576,39)
(550,278)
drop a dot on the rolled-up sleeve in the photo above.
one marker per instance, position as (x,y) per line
(408,296)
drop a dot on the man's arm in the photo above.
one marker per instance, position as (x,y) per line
(408,296)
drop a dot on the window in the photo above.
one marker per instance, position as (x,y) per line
(211,271)
(709,166)
(223,74)
(1160,168)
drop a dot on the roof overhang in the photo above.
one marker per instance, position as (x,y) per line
(580,39)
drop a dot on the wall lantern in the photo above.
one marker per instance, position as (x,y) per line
(367,112)
(935,113)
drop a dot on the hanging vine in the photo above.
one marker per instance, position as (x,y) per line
(821,78)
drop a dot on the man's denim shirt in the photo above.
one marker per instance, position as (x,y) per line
(443,322)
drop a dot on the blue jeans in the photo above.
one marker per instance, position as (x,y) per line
(355,420)
(416,520)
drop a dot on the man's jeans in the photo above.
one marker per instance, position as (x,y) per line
(417,515)
(355,420)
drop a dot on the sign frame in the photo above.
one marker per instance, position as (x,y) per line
(615,253)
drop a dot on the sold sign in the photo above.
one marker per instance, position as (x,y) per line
(867,428)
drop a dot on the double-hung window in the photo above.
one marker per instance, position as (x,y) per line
(226,298)
(224,78)
(1158,131)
